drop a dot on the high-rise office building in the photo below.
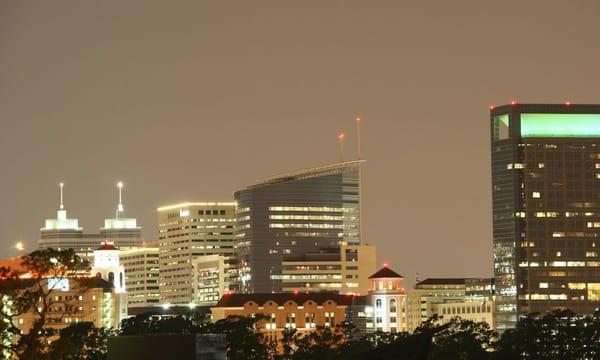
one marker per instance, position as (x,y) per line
(188,231)
(64,233)
(120,230)
(293,214)
(141,275)
(546,209)
(344,269)
(212,277)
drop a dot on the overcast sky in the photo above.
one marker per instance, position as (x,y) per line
(192,100)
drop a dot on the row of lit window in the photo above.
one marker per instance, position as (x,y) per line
(305,226)
(561,264)
(311,208)
(306,217)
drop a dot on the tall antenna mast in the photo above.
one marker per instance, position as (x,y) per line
(358,120)
(341,137)
(120,206)
(61,185)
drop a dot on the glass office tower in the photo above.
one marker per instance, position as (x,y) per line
(546,209)
(294,214)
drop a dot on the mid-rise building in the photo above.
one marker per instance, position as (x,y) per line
(74,300)
(290,215)
(188,231)
(426,294)
(344,269)
(467,298)
(212,277)
(141,275)
(300,311)
(546,209)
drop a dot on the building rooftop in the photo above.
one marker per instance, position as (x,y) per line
(385,272)
(238,300)
(309,173)
(189,204)
(442,281)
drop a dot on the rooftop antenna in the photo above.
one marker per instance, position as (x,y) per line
(341,137)
(120,206)
(358,120)
(61,185)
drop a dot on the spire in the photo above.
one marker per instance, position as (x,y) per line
(62,206)
(120,205)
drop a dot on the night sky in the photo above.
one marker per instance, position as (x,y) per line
(192,100)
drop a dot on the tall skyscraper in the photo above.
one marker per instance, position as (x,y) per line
(294,214)
(546,209)
(120,230)
(188,231)
(64,233)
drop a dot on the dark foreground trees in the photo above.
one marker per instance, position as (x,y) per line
(558,335)
(34,294)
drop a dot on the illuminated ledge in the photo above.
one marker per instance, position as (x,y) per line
(188,204)
(313,172)
(560,125)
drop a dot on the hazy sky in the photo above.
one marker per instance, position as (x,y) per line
(192,100)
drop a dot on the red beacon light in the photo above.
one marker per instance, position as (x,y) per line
(492,107)
(568,103)
(295,292)
(513,102)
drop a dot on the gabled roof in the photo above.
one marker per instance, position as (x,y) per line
(385,272)
(238,300)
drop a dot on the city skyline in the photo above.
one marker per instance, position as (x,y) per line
(196,109)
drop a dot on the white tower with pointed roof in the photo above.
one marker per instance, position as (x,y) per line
(388,299)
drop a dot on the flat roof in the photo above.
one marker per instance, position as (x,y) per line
(308,173)
(188,204)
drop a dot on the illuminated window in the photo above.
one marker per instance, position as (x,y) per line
(593,291)
(576,286)
(591,254)
(536,195)
(543,285)
(557,273)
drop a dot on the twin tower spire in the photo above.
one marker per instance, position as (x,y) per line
(120,209)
